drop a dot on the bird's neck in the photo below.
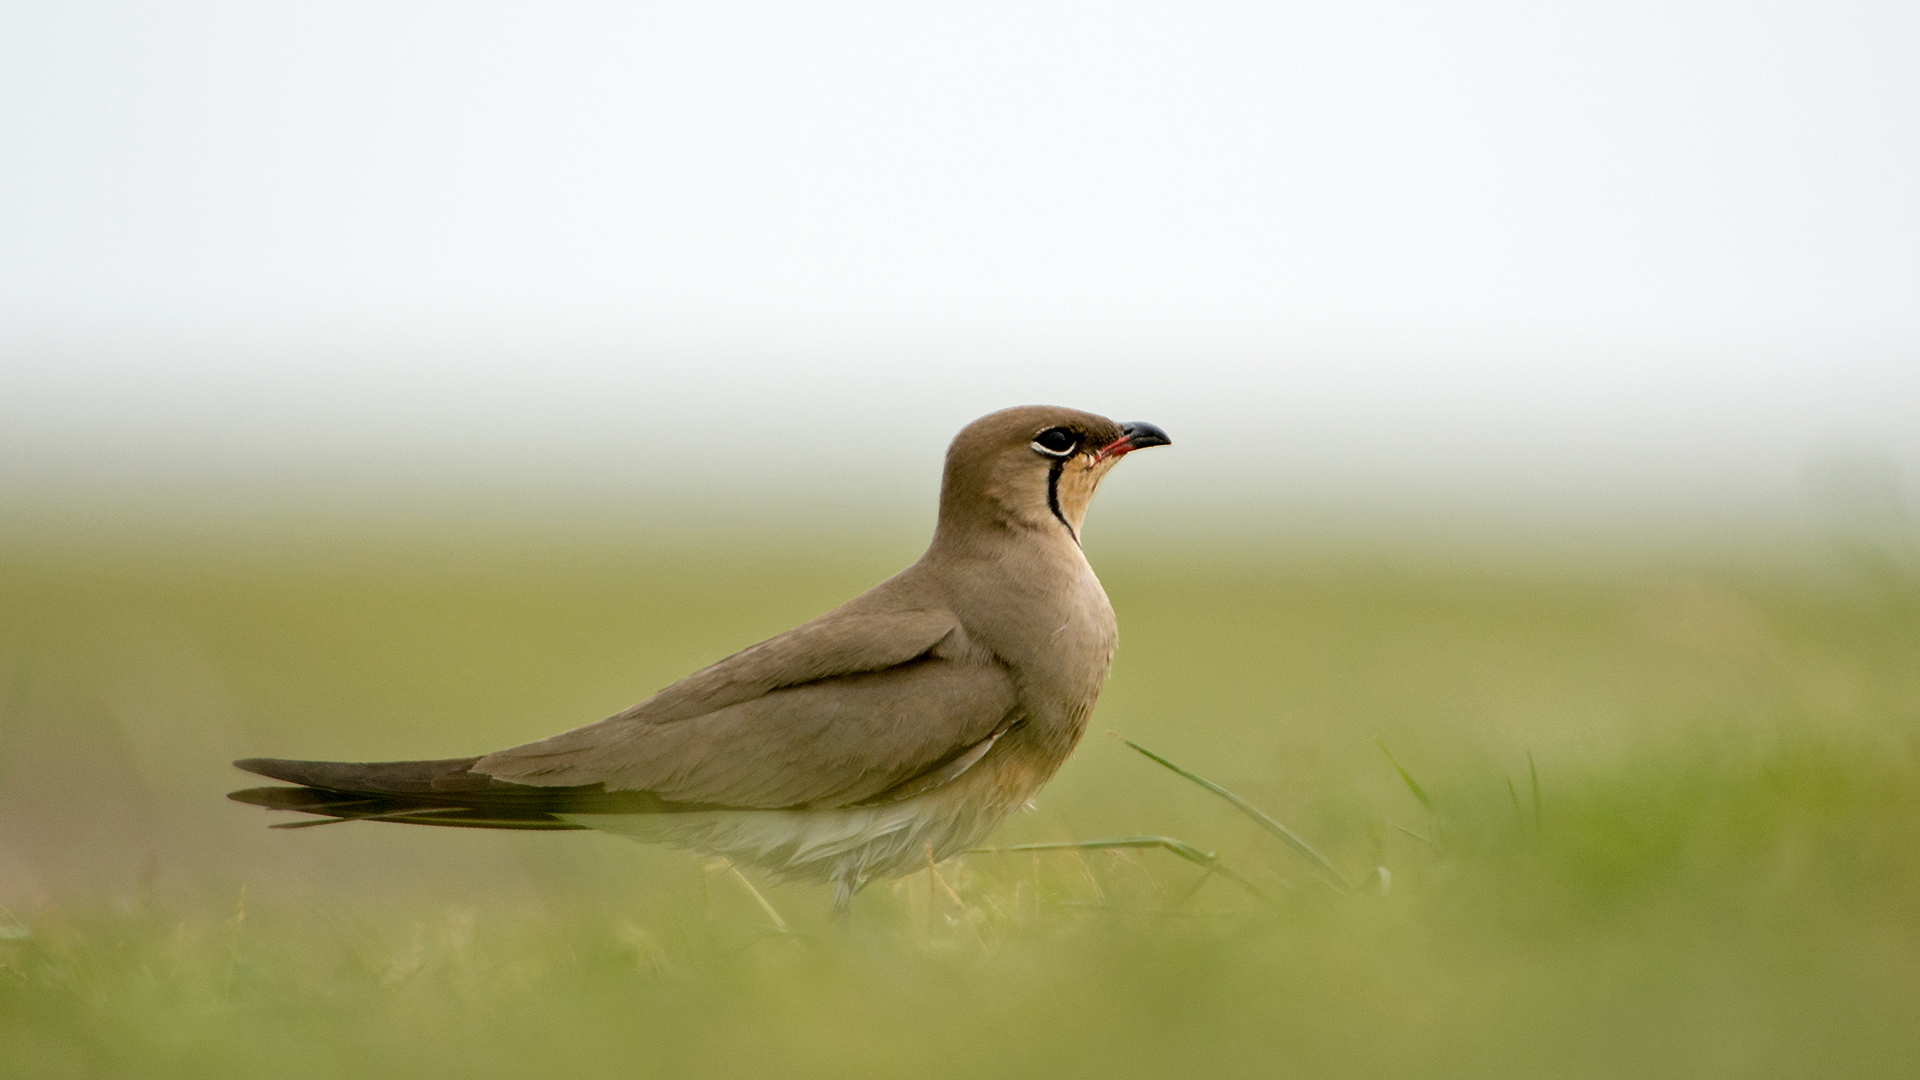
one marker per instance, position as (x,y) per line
(1000,540)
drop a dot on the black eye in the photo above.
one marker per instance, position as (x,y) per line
(1056,442)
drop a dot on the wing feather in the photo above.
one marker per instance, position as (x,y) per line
(840,710)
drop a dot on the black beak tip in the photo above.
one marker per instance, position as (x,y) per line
(1141,435)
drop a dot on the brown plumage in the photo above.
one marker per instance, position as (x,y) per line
(916,715)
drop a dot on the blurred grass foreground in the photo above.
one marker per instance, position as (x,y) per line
(1657,817)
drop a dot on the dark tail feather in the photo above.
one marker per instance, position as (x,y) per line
(445,776)
(443,792)
(333,807)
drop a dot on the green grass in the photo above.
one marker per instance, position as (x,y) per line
(1719,874)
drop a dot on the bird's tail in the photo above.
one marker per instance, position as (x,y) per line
(444,792)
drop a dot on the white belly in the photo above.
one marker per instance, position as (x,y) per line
(848,846)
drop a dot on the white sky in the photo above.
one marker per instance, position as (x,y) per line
(1644,254)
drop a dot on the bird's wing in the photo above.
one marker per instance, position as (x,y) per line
(848,708)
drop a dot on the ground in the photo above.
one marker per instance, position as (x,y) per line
(1667,823)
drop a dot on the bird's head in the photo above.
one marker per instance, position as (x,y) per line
(1034,467)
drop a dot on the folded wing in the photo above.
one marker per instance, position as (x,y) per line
(852,707)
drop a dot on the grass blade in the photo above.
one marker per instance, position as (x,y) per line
(766,905)
(1531,768)
(1415,835)
(1286,835)
(1413,785)
(1181,848)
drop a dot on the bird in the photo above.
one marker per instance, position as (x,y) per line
(896,729)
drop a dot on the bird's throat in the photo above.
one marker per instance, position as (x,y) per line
(1053,498)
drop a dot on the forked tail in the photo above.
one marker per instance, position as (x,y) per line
(443,792)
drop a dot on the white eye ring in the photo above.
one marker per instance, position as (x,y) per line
(1073,444)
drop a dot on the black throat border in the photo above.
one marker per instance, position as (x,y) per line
(1053,497)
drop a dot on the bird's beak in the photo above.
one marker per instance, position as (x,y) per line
(1135,436)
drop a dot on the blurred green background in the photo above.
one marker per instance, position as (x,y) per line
(1719,875)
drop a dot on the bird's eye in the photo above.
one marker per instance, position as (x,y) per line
(1056,442)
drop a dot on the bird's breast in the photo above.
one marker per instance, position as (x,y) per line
(1086,633)
(1048,620)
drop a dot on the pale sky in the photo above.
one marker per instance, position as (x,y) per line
(1649,253)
